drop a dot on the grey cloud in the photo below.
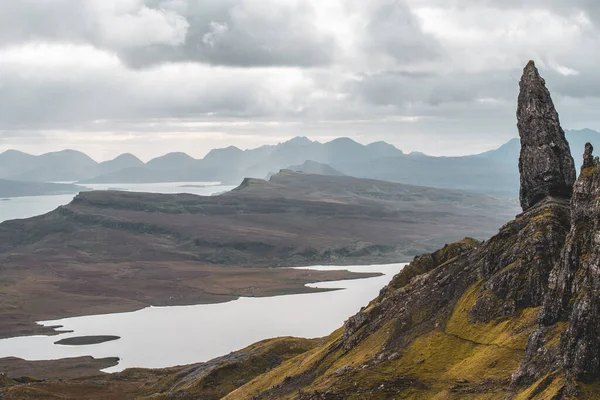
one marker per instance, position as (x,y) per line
(222,32)
(590,7)
(240,33)
(402,89)
(392,29)
(41,20)
(26,103)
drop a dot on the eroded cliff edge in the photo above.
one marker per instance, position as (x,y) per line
(516,316)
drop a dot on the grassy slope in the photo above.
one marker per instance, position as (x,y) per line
(206,381)
(447,362)
(427,353)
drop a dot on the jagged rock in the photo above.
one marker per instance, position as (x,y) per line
(387,305)
(581,342)
(572,306)
(545,164)
(588,157)
(516,263)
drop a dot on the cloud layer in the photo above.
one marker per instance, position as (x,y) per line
(430,75)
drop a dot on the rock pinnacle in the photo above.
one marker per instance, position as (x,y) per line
(588,156)
(546,165)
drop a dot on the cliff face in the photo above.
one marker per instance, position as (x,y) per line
(572,306)
(545,164)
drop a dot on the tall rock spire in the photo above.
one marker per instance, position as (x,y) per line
(546,165)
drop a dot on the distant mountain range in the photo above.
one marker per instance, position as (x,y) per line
(494,171)
(60,166)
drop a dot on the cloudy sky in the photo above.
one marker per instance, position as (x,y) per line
(153,76)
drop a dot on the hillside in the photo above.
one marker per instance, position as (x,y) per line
(19,189)
(312,167)
(143,174)
(514,317)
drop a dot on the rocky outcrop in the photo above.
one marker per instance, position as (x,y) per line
(545,164)
(572,305)
(385,306)
(588,156)
(516,263)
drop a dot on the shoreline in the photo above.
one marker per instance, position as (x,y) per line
(318,278)
(222,287)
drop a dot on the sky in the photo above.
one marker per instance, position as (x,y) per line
(156,76)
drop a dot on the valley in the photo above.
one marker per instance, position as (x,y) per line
(110,251)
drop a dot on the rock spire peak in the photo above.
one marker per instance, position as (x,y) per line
(588,156)
(545,164)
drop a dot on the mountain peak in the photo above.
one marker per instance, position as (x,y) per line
(13,151)
(172,161)
(175,155)
(299,140)
(228,149)
(343,140)
(384,148)
(545,164)
(125,156)
(126,159)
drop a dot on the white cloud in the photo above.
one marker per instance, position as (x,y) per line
(142,27)
(217,30)
(563,70)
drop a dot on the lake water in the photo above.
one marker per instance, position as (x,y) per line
(157,337)
(26,207)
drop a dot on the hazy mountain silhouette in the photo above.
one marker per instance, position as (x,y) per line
(123,161)
(509,152)
(13,162)
(65,165)
(172,161)
(312,167)
(19,189)
(494,171)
